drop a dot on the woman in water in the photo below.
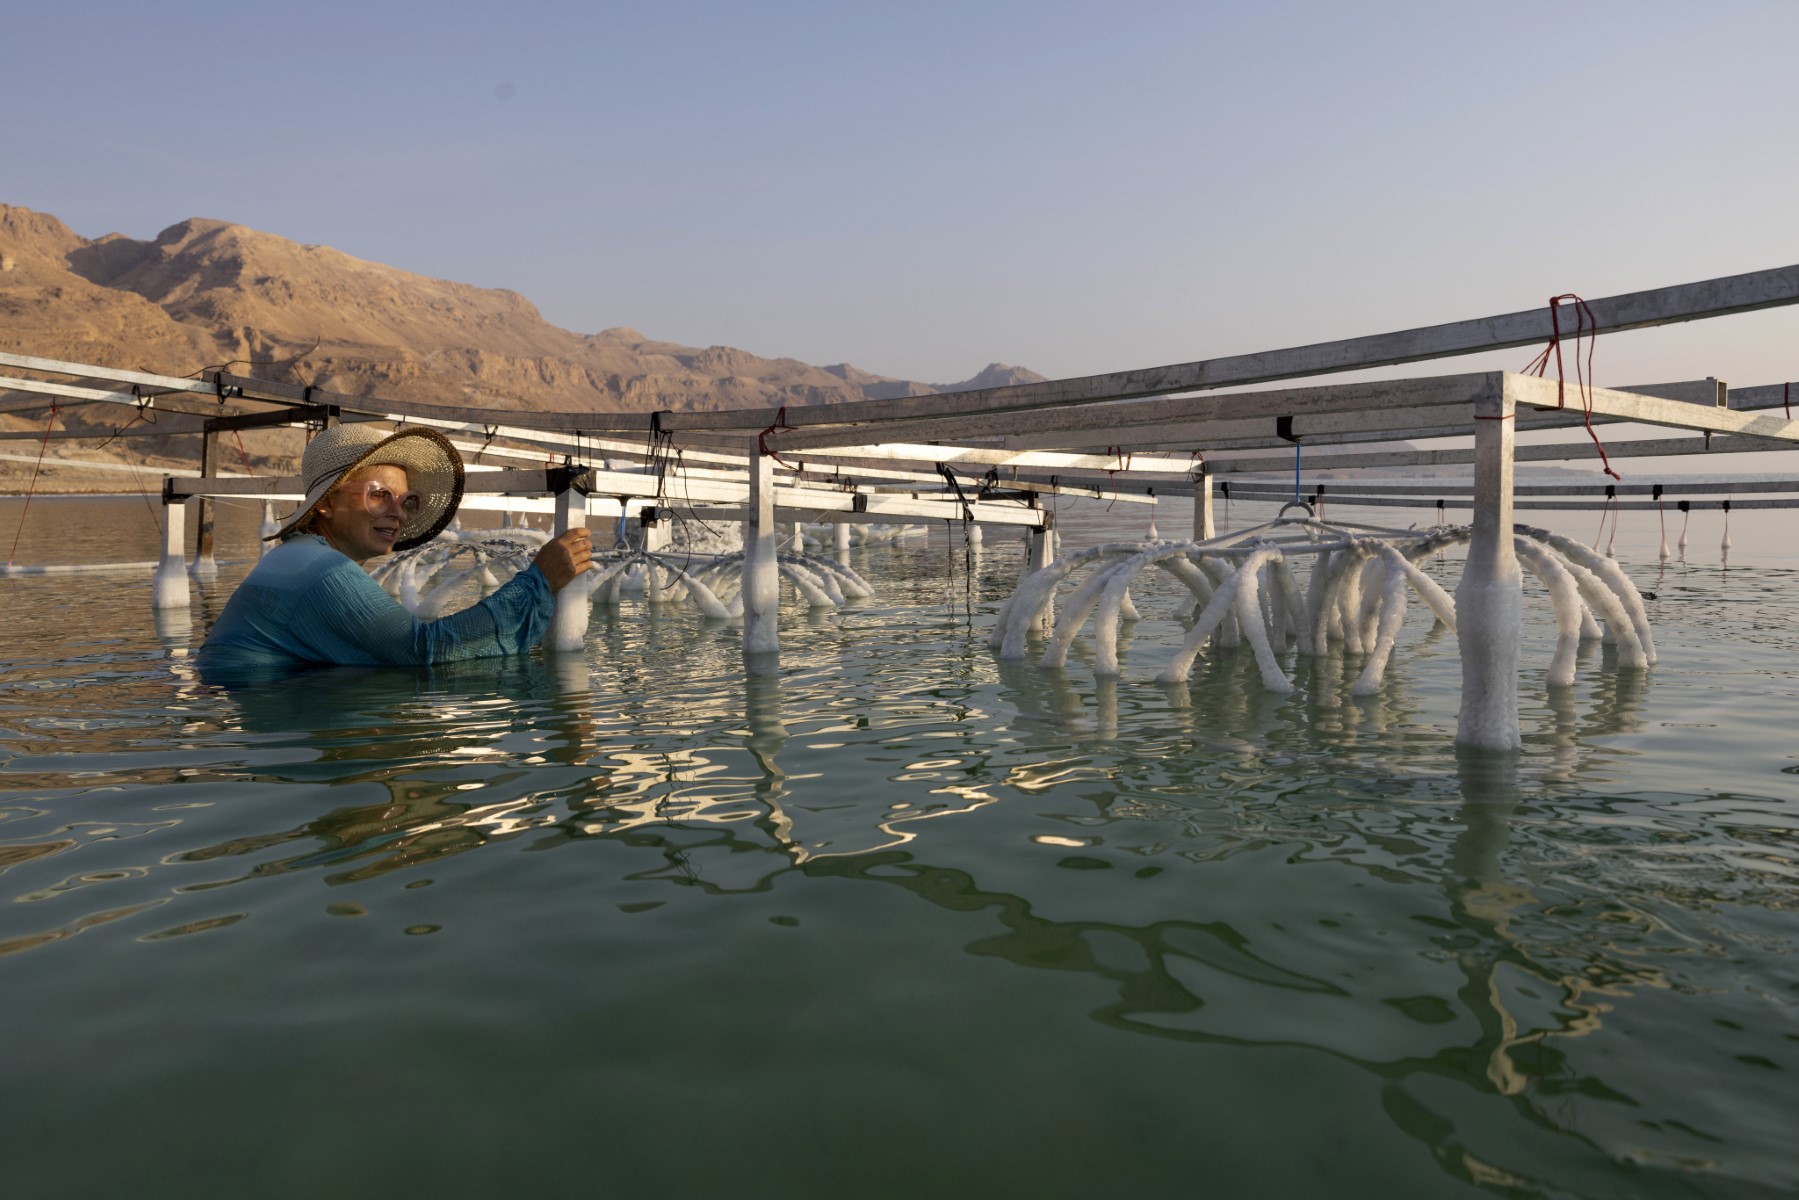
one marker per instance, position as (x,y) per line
(309,602)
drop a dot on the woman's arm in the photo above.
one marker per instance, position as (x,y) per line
(346,618)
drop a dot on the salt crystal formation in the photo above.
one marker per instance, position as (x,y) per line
(429,579)
(1243,587)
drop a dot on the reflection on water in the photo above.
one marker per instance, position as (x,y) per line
(1234,917)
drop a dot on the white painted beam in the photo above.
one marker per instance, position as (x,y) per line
(164,383)
(1650,410)
(1123,420)
(1634,310)
(1677,485)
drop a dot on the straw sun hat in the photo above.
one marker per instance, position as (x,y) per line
(433,470)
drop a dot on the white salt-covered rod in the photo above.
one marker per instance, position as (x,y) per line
(1489,598)
(169,589)
(761,573)
(1391,609)
(1614,578)
(568,628)
(1564,601)
(1210,617)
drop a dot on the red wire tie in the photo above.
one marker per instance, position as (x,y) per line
(1585,325)
(774,426)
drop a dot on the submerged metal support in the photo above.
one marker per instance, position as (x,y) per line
(267,529)
(170,589)
(204,567)
(656,536)
(568,628)
(841,541)
(1043,546)
(1204,527)
(1490,599)
(761,582)
(1042,552)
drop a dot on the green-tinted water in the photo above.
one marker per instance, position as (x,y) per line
(903,920)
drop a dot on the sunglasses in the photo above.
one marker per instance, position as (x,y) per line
(380,499)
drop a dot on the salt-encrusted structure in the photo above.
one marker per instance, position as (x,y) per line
(991,457)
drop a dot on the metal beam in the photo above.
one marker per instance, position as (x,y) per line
(1120,421)
(1333,489)
(1612,314)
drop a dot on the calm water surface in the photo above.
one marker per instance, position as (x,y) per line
(903,920)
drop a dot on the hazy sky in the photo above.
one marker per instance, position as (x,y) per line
(920,188)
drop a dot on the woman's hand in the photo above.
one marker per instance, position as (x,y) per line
(565,557)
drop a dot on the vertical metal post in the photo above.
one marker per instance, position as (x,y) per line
(170,589)
(655,538)
(1204,528)
(1489,600)
(840,534)
(1043,553)
(204,566)
(568,628)
(270,525)
(761,578)
(1043,545)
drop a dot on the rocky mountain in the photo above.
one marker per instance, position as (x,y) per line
(204,292)
(207,293)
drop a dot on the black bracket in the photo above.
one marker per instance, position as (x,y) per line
(955,484)
(859,502)
(1283,429)
(282,416)
(568,478)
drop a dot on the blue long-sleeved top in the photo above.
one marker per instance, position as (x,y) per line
(306,603)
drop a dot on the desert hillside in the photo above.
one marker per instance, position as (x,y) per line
(206,293)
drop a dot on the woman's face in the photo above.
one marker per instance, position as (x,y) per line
(355,524)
